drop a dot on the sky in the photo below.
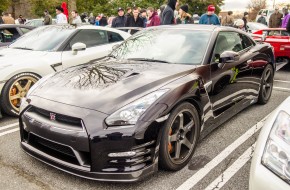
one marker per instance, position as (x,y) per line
(242,4)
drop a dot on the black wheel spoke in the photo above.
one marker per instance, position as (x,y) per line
(267,75)
(187,143)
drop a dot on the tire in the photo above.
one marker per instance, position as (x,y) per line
(173,135)
(14,89)
(266,86)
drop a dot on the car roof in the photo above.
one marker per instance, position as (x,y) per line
(189,27)
(15,26)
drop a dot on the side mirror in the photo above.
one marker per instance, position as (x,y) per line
(229,57)
(78,47)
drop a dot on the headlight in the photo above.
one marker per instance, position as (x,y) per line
(129,114)
(42,80)
(276,155)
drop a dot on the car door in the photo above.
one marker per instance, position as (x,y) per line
(229,82)
(97,45)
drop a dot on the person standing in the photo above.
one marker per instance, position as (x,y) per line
(275,20)
(143,15)
(21,20)
(92,19)
(288,25)
(286,18)
(8,19)
(245,19)
(262,19)
(135,20)
(120,20)
(47,18)
(154,19)
(60,17)
(76,19)
(103,20)
(129,12)
(167,17)
(184,17)
(210,17)
(228,20)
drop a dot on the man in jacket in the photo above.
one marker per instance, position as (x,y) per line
(228,20)
(76,19)
(262,19)
(103,20)
(60,17)
(47,18)
(120,20)
(8,19)
(135,20)
(288,25)
(143,15)
(167,17)
(210,17)
(275,20)
(286,18)
(154,19)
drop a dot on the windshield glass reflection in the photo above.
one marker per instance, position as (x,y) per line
(167,46)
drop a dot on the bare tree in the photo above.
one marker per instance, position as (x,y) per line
(255,6)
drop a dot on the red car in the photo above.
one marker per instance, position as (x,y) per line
(279,38)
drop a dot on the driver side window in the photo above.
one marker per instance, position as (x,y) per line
(227,41)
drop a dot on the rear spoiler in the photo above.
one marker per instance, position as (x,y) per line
(259,37)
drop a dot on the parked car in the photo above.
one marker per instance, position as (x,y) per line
(253,27)
(270,167)
(147,103)
(46,50)
(37,22)
(279,38)
(11,32)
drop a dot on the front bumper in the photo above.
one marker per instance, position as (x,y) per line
(83,148)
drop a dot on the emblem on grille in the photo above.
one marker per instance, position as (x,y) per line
(52,116)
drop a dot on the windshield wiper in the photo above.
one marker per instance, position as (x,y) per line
(149,60)
(24,48)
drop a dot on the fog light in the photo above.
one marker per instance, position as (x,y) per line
(122,154)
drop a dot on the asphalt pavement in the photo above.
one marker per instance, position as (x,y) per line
(221,160)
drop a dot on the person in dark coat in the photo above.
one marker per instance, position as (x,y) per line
(143,15)
(184,17)
(262,19)
(135,20)
(120,20)
(167,17)
(103,21)
(245,19)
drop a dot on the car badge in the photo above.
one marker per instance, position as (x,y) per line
(52,116)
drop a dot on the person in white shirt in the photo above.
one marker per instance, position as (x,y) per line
(76,19)
(60,17)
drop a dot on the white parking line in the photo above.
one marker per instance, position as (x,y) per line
(193,180)
(221,180)
(10,131)
(8,126)
(283,81)
(280,88)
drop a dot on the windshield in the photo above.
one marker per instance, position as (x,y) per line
(167,46)
(43,38)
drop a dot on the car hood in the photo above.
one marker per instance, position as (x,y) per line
(18,56)
(108,85)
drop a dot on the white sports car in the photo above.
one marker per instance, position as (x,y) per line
(46,50)
(270,167)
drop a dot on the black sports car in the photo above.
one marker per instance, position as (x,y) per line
(147,104)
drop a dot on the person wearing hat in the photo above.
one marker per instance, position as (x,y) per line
(184,17)
(167,16)
(275,20)
(210,17)
(120,20)
(245,19)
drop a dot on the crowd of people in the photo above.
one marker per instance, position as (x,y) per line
(165,15)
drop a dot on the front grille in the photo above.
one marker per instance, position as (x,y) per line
(58,117)
(59,151)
